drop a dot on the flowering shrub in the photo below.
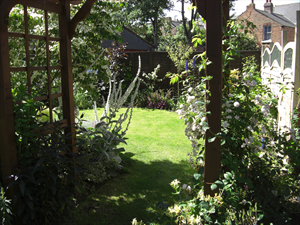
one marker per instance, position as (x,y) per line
(253,151)
(159,100)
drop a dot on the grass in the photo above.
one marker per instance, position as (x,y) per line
(157,140)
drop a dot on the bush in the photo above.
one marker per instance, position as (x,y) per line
(160,100)
(47,186)
(262,180)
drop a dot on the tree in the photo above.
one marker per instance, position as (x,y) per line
(188,25)
(139,13)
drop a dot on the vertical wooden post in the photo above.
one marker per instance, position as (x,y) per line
(7,130)
(66,72)
(296,60)
(212,11)
(214,24)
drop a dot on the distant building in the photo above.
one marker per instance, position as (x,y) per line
(273,24)
(135,43)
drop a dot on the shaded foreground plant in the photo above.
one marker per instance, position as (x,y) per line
(48,185)
(6,214)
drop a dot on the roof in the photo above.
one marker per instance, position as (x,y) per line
(278,18)
(134,41)
(288,10)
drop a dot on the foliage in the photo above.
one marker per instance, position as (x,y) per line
(48,185)
(149,85)
(160,100)
(88,60)
(5,208)
(101,151)
(242,40)
(179,54)
(26,120)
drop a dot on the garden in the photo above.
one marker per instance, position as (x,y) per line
(140,150)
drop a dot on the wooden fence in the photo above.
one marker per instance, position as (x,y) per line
(150,60)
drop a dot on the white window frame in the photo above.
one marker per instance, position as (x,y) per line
(267,32)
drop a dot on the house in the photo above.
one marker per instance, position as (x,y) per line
(135,43)
(273,24)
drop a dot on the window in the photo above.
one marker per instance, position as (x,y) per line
(267,33)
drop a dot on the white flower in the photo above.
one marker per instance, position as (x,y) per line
(228,110)
(225,124)
(181,106)
(236,104)
(134,222)
(229,117)
(230,95)
(179,112)
(190,89)
(175,183)
(254,83)
(184,186)
(257,97)
(265,108)
(228,104)
(189,189)
(237,117)
(203,119)
(190,98)
(250,128)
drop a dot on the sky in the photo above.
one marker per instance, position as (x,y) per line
(240,6)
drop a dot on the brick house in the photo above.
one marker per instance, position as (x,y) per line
(270,26)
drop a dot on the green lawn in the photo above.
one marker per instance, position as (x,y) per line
(157,140)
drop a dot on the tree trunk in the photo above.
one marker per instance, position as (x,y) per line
(155,31)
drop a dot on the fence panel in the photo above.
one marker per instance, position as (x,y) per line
(277,71)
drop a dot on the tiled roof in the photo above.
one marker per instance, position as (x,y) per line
(288,10)
(278,18)
(135,42)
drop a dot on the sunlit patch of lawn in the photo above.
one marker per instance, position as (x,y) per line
(157,140)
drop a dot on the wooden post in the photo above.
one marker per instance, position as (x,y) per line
(296,60)
(66,72)
(7,130)
(212,11)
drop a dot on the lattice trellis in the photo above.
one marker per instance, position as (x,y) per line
(28,67)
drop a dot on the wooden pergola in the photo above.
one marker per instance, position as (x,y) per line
(66,32)
(216,14)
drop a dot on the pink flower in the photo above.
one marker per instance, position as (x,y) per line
(246,187)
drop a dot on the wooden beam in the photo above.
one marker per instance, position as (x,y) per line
(80,15)
(44,5)
(213,14)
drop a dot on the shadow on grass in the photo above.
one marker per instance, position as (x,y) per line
(128,196)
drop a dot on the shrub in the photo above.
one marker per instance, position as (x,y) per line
(160,100)
(48,185)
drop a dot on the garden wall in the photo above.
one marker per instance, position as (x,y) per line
(150,60)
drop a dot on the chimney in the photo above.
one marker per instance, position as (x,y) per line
(268,6)
(251,6)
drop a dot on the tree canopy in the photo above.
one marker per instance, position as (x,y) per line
(138,15)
